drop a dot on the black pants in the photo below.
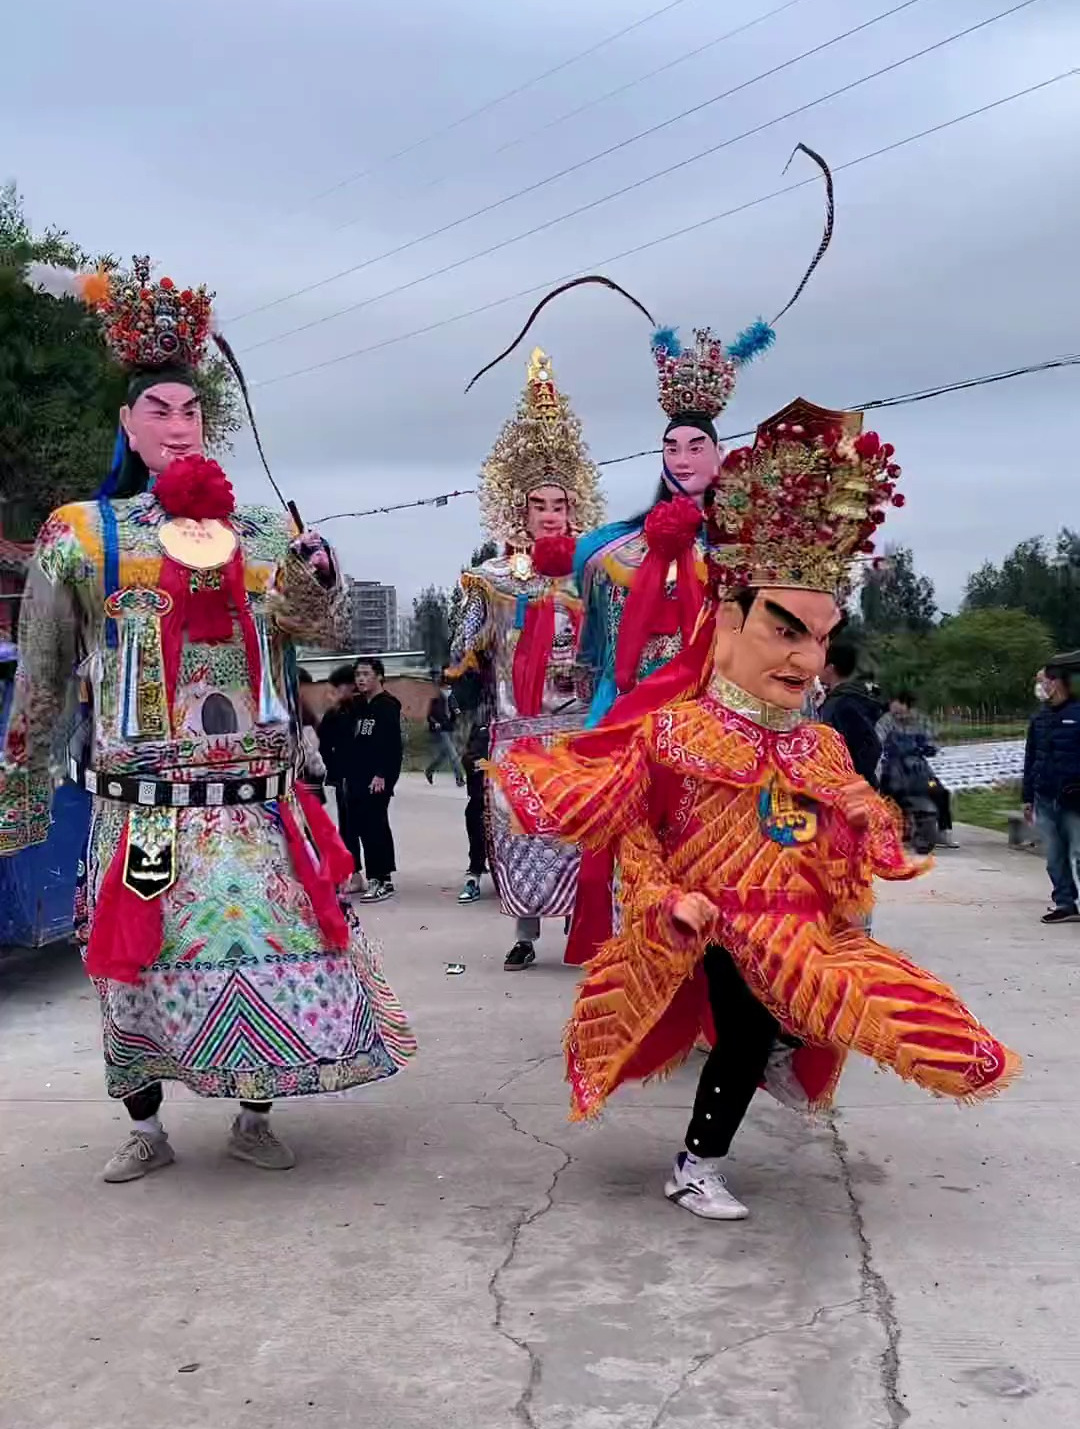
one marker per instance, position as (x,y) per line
(474,820)
(943,801)
(369,822)
(348,833)
(144,1104)
(745,1033)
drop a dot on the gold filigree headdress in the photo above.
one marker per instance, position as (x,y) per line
(540,445)
(802,504)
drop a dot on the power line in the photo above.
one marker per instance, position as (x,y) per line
(490,104)
(600,99)
(640,183)
(561,174)
(922,394)
(904,399)
(666,237)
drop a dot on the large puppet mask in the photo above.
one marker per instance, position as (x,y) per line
(772,642)
(163,423)
(547,512)
(691,459)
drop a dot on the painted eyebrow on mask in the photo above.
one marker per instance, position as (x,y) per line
(791,621)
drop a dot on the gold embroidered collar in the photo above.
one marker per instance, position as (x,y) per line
(734,698)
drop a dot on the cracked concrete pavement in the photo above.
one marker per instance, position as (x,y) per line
(451,1251)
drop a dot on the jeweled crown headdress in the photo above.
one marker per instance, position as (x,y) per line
(798,507)
(699,380)
(149,327)
(541,445)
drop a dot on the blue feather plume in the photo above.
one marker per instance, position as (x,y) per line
(751,342)
(667,337)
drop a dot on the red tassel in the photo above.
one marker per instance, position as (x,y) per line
(670,529)
(206,617)
(333,853)
(126,932)
(532,656)
(318,883)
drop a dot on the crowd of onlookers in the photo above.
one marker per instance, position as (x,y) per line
(879,735)
(354,739)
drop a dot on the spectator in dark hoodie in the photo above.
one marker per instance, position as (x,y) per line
(1052,781)
(851,709)
(372,769)
(335,736)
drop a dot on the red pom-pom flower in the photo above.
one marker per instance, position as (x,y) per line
(553,555)
(196,488)
(671,526)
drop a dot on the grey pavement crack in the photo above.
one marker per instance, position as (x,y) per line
(699,1362)
(523,1409)
(530,1066)
(876,1294)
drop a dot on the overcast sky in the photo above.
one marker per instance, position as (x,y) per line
(209,134)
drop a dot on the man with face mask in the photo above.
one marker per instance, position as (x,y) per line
(746,842)
(1052,782)
(519,628)
(158,672)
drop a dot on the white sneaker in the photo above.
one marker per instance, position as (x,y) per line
(948,840)
(703,1191)
(356,884)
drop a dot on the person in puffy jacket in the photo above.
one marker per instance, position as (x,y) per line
(1052,781)
(851,709)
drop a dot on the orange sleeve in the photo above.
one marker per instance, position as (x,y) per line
(588,790)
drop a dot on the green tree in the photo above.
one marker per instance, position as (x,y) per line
(431,625)
(1037,578)
(894,597)
(59,389)
(985,659)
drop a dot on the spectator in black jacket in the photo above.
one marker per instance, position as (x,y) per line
(372,769)
(1052,782)
(335,735)
(851,709)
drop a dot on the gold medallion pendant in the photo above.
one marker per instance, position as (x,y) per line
(198,545)
(521,566)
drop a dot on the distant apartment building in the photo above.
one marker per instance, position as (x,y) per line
(373,617)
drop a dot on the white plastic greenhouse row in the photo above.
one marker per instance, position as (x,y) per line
(979,766)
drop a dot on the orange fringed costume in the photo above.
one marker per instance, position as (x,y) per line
(741,806)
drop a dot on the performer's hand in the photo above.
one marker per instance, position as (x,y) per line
(855,802)
(377,785)
(1029,813)
(695,912)
(315,554)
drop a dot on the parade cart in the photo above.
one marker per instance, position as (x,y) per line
(37,886)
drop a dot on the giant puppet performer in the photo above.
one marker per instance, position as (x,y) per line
(747,844)
(519,629)
(643,580)
(157,671)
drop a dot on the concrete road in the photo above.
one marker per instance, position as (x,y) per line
(451,1252)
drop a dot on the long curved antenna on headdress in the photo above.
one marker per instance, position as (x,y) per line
(826,237)
(225,348)
(555,292)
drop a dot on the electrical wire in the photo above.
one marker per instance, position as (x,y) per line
(594,103)
(668,237)
(572,169)
(489,105)
(922,394)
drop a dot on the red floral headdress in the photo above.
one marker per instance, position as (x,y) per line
(798,507)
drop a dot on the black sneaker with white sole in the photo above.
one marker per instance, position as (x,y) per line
(1069,914)
(521,956)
